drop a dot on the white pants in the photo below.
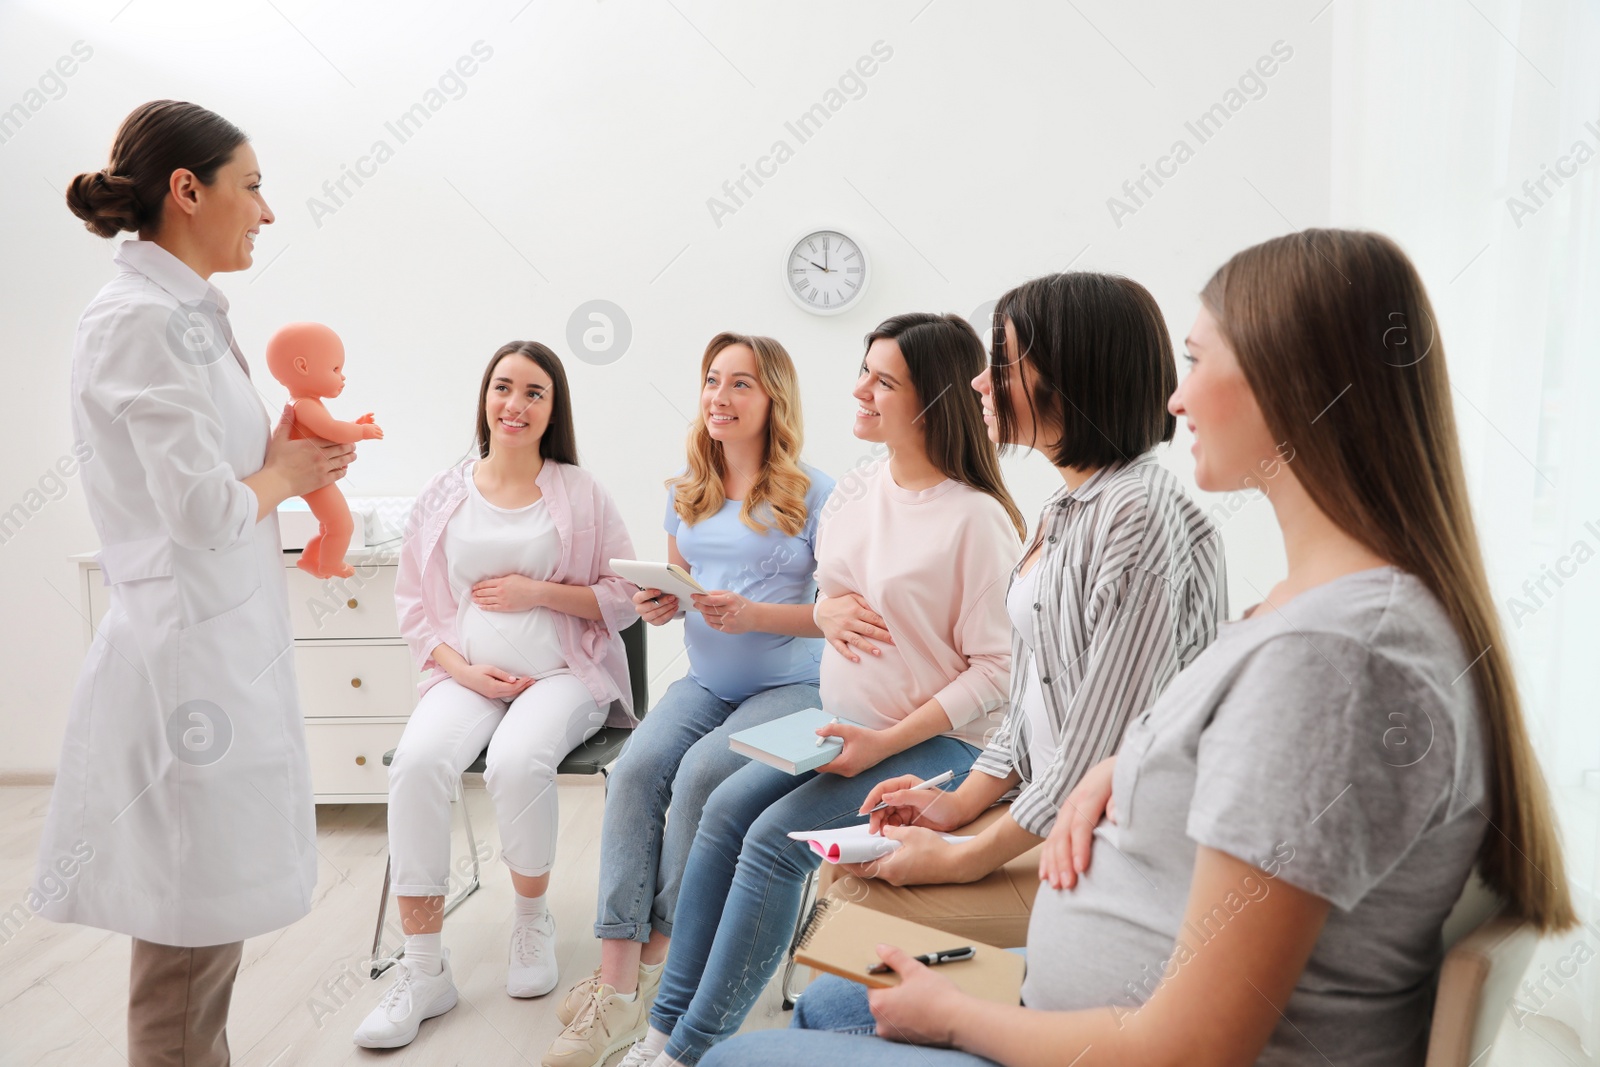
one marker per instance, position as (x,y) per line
(527,739)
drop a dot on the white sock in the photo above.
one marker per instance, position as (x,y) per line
(652,968)
(425,953)
(654,1040)
(529,908)
(627,998)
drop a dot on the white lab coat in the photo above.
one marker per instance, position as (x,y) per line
(184,772)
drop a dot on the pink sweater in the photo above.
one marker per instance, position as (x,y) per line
(934,564)
(591,533)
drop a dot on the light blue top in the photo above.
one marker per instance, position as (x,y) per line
(773,568)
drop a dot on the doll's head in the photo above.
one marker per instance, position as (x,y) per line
(307,358)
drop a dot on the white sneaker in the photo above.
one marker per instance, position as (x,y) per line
(646,1052)
(413,998)
(532,972)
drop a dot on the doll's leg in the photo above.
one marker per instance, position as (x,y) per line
(311,556)
(329,506)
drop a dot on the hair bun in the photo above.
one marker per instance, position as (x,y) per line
(107,203)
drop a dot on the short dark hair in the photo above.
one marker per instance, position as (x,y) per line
(1104,360)
(560,441)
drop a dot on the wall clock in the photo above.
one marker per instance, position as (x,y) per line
(825,272)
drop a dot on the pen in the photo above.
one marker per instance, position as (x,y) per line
(823,737)
(932,783)
(932,959)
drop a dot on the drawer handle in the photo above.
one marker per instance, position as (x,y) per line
(355,683)
(361,761)
(350,603)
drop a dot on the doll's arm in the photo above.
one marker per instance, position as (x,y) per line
(310,415)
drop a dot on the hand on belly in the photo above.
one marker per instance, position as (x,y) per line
(511,592)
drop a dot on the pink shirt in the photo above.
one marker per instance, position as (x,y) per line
(934,564)
(591,533)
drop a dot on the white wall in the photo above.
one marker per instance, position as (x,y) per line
(578,164)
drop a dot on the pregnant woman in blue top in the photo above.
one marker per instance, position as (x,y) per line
(742,520)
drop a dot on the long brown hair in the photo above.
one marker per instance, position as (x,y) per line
(943,354)
(779,491)
(153,141)
(560,441)
(1321,312)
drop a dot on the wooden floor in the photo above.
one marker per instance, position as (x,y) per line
(301,991)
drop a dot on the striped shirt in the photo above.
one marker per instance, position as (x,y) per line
(1130,590)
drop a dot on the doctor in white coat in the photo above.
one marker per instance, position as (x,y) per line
(183,798)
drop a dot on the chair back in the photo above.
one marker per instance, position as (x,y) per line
(1486,954)
(633,644)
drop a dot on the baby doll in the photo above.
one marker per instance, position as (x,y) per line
(308,359)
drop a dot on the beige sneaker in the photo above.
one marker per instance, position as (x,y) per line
(605,1024)
(649,986)
(579,995)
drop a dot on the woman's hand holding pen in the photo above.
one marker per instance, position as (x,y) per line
(936,809)
(922,1009)
(655,607)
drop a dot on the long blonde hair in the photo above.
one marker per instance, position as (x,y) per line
(1313,314)
(778,495)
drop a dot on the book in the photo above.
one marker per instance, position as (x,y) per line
(790,743)
(667,577)
(842,939)
(853,844)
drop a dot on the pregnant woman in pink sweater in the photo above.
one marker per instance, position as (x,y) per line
(915,547)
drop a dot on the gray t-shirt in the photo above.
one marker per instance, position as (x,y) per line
(1336,745)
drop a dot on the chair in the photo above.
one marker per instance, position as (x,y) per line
(594,756)
(1486,954)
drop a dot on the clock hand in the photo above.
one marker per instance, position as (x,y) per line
(819,266)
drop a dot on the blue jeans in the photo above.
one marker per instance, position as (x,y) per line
(832,1025)
(678,754)
(743,886)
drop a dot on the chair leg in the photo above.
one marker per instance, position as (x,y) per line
(383,909)
(451,903)
(807,907)
(472,849)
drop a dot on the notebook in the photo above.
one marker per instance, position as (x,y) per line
(667,577)
(853,844)
(841,938)
(789,743)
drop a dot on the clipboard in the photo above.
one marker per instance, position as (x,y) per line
(841,939)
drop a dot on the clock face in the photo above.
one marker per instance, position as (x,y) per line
(826,272)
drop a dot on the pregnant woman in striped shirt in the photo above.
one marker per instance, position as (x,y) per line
(1121,589)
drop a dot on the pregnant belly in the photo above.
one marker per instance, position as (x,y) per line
(525,643)
(877,692)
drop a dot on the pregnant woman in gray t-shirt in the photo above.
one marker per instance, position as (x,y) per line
(1287,827)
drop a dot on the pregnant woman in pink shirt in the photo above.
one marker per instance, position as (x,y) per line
(504,591)
(919,540)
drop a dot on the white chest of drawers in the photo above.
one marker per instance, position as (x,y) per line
(357,685)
